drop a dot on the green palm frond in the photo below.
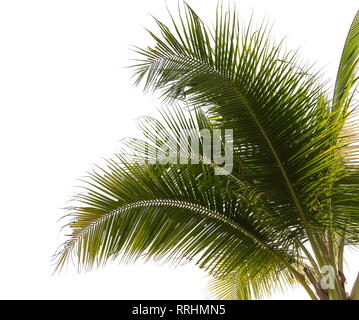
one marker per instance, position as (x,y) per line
(282,120)
(187,201)
(175,213)
(287,207)
(348,66)
(239,285)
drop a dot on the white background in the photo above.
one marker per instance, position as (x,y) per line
(66,99)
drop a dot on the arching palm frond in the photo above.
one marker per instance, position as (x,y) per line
(175,213)
(288,135)
(348,66)
(284,127)
(286,208)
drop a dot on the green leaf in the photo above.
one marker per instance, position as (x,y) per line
(348,66)
(238,285)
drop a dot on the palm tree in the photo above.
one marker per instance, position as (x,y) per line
(289,207)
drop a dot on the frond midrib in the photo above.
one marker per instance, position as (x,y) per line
(178,204)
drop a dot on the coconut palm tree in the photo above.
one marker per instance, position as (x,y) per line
(285,212)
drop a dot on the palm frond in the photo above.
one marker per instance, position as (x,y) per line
(282,119)
(294,178)
(238,285)
(164,212)
(175,212)
(348,66)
